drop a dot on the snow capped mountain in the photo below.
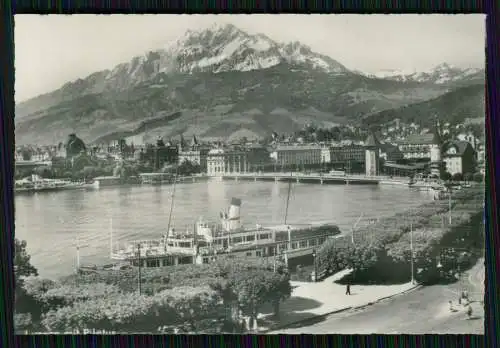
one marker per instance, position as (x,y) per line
(441,74)
(386,73)
(220,48)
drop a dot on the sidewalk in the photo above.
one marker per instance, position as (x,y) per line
(313,300)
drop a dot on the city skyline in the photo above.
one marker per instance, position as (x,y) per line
(435,39)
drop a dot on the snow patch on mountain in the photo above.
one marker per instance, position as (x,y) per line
(441,74)
(220,48)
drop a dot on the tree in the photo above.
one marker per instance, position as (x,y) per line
(254,287)
(74,146)
(22,322)
(478,177)
(29,297)
(457,177)
(136,313)
(89,172)
(64,295)
(446,176)
(188,168)
(23,269)
(467,177)
(26,154)
(126,312)
(187,305)
(22,264)
(44,172)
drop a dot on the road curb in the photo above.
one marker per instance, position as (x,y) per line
(279,327)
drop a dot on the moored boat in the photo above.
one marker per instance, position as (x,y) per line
(37,184)
(205,243)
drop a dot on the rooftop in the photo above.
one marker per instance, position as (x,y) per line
(421,139)
(216,152)
(404,166)
(460,146)
(297,147)
(372,140)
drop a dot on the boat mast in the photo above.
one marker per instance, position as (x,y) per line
(288,198)
(111,237)
(411,251)
(171,203)
(354,227)
(77,254)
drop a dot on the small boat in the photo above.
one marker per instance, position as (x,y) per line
(37,184)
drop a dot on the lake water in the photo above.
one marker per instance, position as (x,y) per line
(52,222)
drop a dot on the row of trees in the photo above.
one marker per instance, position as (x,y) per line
(458,177)
(337,133)
(125,169)
(386,245)
(186,168)
(187,298)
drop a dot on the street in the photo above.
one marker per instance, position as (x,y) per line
(425,310)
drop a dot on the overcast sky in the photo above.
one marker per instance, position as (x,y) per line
(55,49)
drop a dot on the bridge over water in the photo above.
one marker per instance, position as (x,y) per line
(306,178)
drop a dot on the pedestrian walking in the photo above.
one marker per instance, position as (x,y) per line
(469,312)
(348,289)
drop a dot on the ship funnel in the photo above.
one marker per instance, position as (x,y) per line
(234,209)
(233,218)
(170,232)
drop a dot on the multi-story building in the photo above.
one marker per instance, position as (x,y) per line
(347,153)
(390,153)
(291,156)
(372,156)
(222,161)
(459,157)
(41,156)
(160,155)
(136,140)
(481,157)
(418,146)
(194,153)
(18,156)
(259,158)
(325,155)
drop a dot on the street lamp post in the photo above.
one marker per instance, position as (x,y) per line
(449,205)
(439,265)
(314,263)
(139,261)
(411,254)
(274,261)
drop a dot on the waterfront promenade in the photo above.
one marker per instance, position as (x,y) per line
(312,301)
(423,310)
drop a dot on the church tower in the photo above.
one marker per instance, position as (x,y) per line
(435,152)
(372,155)
(182,143)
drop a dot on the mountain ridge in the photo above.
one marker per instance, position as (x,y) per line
(443,74)
(220,81)
(456,106)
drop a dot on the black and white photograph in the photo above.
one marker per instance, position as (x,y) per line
(249,174)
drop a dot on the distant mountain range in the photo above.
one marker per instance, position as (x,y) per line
(443,74)
(221,83)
